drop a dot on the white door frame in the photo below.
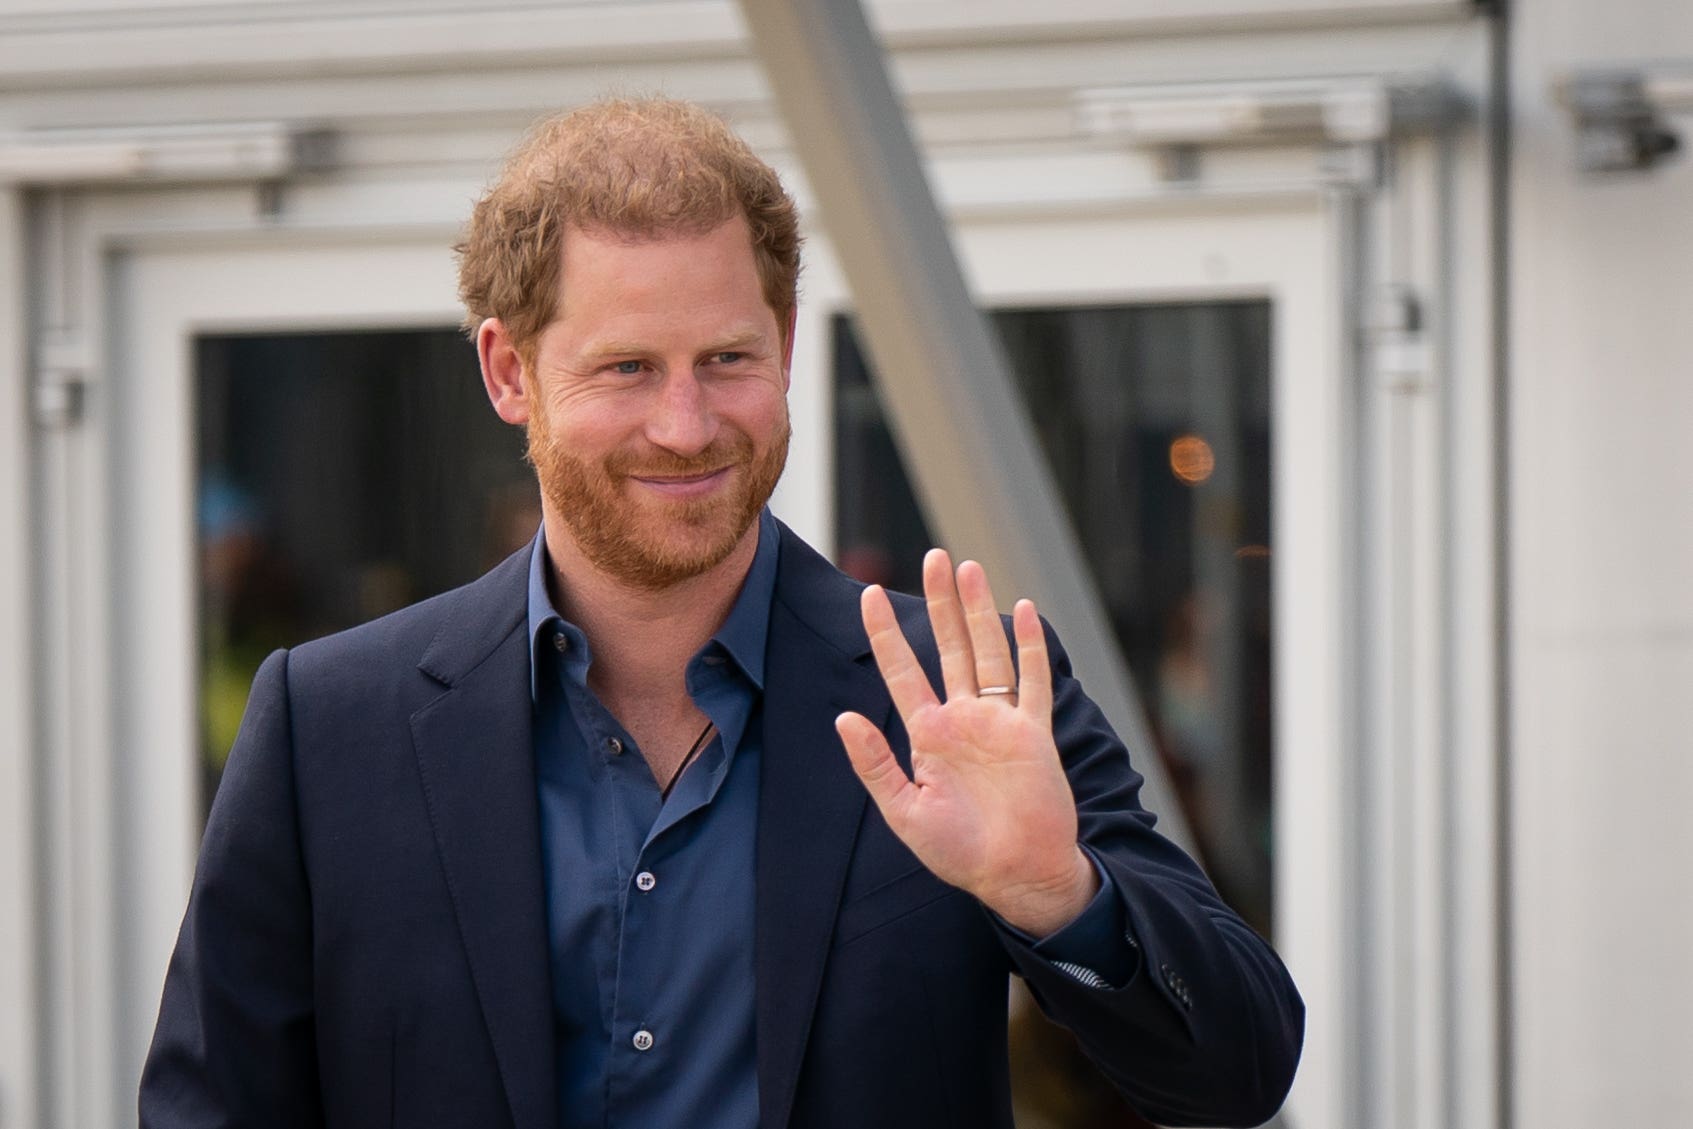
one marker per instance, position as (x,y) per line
(112,632)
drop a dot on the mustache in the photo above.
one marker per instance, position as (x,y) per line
(659,463)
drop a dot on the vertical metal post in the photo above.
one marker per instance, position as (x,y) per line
(954,411)
(20,1065)
(1501,141)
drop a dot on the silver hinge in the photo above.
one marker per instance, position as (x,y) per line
(1394,330)
(1358,165)
(62,367)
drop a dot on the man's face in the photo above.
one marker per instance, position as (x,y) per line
(659,424)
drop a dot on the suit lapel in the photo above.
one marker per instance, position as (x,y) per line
(810,805)
(474,753)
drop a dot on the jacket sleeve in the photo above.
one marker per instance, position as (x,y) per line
(1200,1024)
(234,1044)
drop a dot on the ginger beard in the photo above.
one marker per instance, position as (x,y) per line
(653,542)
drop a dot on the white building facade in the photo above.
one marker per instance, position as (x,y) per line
(225,233)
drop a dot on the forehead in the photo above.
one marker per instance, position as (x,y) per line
(724,246)
(607,274)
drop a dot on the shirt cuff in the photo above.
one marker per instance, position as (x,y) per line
(1096,948)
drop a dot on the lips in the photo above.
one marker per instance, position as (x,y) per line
(683,486)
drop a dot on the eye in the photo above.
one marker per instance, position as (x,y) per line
(626,368)
(727,358)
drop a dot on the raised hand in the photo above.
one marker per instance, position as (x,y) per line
(987,806)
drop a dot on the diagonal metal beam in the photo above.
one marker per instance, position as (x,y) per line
(955,412)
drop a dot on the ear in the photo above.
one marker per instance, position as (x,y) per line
(788,348)
(502,371)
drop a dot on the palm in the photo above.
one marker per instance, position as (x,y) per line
(987,806)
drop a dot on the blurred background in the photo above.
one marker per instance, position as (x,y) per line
(1339,339)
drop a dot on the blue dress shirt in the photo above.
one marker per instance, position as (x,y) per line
(650,898)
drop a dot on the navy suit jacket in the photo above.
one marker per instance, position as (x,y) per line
(366,945)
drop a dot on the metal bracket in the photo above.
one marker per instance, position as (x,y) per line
(1396,336)
(1619,117)
(1351,119)
(1357,165)
(168,154)
(59,394)
(1177,120)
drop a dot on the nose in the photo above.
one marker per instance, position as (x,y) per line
(681,419)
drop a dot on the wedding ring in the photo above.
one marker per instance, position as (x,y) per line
(995,691)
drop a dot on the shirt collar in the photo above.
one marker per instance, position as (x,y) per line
(742,635)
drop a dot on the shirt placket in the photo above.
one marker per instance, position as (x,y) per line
(616,761)
(642,1055)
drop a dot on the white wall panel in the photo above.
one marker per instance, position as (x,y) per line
(1602,526)
(1605,926)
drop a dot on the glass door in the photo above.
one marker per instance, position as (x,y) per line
(1179,370)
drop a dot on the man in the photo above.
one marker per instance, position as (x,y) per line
(578,844)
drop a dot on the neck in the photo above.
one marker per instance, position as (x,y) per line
(642,638)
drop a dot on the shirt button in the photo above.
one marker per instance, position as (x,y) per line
(613,746)
(645,881)
(561,642)
(643,1040)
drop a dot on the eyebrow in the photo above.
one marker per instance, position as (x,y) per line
(602,350)
(738,341)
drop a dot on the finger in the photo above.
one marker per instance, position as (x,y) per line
(987,630)
(1034,688)
(952,634)
(907,684)
(876,767)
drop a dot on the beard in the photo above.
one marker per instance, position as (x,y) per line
(653,543)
